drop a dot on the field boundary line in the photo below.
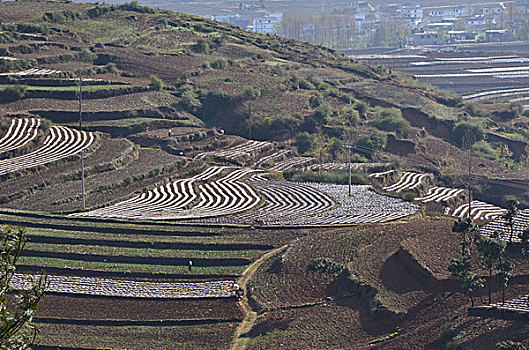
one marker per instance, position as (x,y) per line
(249,315)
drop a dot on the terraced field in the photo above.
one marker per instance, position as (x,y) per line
(20,133)
(408,181)
(521,222)
(62,142)
(245,149)
(440,194)
(478,211)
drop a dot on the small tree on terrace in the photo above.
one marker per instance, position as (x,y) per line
(250,94)
(504,274)
(491,251)
(17,330)
(469,282)
(462,268)
(512,211)
(524,237)
(466,227)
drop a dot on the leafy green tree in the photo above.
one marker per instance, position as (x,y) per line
(304,142)
(524,237)
(467,134)
(466,227)
(374,141)
(189,99)
(503,275)
(321,148)
(512,211)
(390,119)
(17,330)
(462,270)
(251,94)
(491,250)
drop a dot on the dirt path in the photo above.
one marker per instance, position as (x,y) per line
(250,316)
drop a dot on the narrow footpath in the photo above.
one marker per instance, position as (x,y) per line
(249,316)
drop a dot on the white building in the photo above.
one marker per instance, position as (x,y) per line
(425,38)
(451,11)
(268,23)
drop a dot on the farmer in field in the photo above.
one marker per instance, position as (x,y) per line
(190,265)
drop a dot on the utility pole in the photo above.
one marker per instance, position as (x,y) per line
(81,155)
(349,147)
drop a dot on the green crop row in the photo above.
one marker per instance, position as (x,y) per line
(43,263)
(144,252)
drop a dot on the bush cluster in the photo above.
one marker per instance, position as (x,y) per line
(325,265)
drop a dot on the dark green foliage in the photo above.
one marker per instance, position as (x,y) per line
(156,83)
(189,99)
(202,46)
(466,134)
(133,6)
(362,108)
(510,345)
(504,274)
(462,268)
(32,28)
(513,111)
(304,142)
(98,11)
(12,93)
(220,63)
(374,141)
(325,265)
(17,327)
(306,85)
(323,113)
(512,211)
(469,282)
(351,115)
(390,119)
(491,251)
(524,237)
(315,100)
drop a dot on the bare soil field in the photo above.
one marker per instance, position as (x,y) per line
(89,308)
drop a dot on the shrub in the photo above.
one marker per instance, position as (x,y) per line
(324,86)
(45,125)
(112,68)
(514,111)
(315,100)
(375,141)
(362,108)
(13,93)
(304,142)
(391,120)
(189,99)
(351,115)
(220,63)
(307,85)
(156,83)
(485,150)
(325,265)
(323,113)
(202,46)
(466,134)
